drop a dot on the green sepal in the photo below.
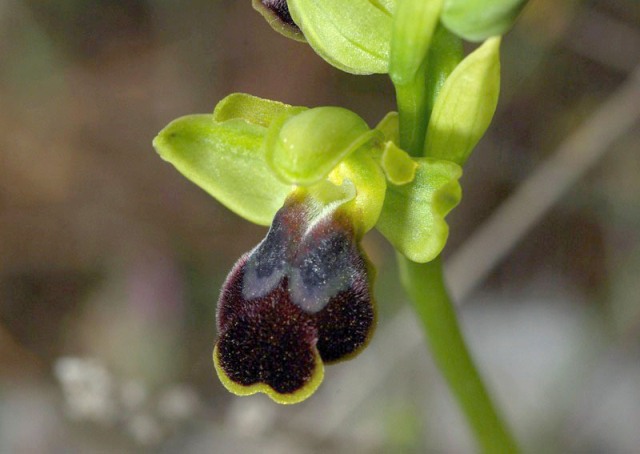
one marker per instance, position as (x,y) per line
(413,27)
(250,108)
(302,149)
(397,164)
(352,35)
(477,20)
(227,161)
(412,218)
(465,106)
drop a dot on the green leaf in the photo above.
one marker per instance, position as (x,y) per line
(477,20)
(226,160)
(352,35)
(413,26)
(412,217)
(308,145)
(251,109)
(466,104)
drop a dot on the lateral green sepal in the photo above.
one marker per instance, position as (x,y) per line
(227,161)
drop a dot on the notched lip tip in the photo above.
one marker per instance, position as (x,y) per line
(295,397)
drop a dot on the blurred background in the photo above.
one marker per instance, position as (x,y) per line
(111,262)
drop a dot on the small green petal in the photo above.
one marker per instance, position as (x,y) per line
(477,20)
(351,35)
(412,218)
(251,109)
(413,26)
(227,161)
(397,164)
(308,145)
(466,104)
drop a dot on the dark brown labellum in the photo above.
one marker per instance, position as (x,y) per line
(302,293)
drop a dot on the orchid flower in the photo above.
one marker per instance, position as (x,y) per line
(321,178)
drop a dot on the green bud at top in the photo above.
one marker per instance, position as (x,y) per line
(477,20)
(352,35)
(277,14)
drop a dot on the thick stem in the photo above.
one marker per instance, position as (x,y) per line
(413,110)
(425,285)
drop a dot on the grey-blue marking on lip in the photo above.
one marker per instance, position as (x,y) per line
(315,250)
(267,264)
(322,268)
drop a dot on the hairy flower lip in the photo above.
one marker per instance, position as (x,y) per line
(314,306)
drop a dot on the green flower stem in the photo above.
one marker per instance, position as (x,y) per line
(413,112)
(425,285)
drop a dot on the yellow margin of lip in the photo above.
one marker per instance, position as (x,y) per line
(285,399)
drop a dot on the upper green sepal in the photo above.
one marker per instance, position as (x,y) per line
(477,20)
(412,218)
(465,105)
(226,160)
(303,148)
(352,35)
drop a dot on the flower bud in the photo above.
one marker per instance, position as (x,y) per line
(277,14)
